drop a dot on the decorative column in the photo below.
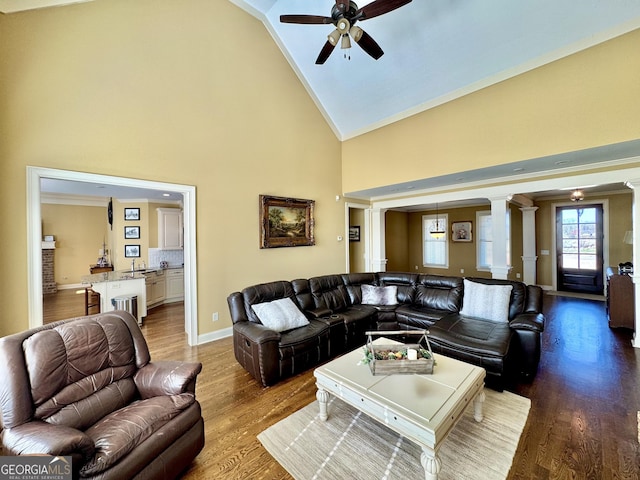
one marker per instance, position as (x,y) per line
(529,257)
(635,209)
(500,266)
(378,260)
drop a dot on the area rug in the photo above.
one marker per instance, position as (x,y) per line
(352,445)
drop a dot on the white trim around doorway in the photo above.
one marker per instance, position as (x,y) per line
(34,238)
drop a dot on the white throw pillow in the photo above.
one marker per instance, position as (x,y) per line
(280,315)
(489,302)
(372,295)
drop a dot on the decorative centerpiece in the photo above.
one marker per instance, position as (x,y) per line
(387,359)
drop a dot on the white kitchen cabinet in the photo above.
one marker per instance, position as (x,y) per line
(170,229)
(174,285)
(155,284)
(111,288)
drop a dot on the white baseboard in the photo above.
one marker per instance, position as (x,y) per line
(217,335)
(72,286)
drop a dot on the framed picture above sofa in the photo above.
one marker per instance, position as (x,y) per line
(461,231)
(286,222)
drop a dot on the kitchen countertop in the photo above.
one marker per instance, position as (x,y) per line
(123,275)
(112,277)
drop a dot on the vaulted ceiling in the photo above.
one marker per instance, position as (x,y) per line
(434,50)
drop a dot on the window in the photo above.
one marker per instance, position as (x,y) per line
(484,242)
(436,250)
(579,229)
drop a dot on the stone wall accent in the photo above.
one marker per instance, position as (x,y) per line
(48,277)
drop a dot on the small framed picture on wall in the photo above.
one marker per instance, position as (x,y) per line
(131,232)
(131,251)
(131,214)
(461,231)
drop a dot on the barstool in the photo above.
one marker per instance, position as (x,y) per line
(91,300)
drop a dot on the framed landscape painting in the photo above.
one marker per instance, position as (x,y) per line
(286,222)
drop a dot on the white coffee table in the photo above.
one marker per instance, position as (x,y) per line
(422,408)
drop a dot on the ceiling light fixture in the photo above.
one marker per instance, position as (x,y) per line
(577,196)
(438,231)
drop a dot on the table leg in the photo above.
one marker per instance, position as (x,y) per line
(323,397)
(477,406)
(431,463)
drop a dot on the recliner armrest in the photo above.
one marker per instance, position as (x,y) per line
(167,378)
(528,321)
(319,312)
(40,437)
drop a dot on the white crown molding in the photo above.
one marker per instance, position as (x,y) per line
(66,199)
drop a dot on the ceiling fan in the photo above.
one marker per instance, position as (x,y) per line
(344,15)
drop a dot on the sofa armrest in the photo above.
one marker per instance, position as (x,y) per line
(319,312)
(534,299)
(167,378)
(256,332)
(39,437)
(528,321)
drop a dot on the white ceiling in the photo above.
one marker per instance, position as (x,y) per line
(435,50)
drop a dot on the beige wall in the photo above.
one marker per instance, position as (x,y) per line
(79,232)
(168,92)
(462,255)
(588,99)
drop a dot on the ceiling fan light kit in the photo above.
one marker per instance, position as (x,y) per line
(344,15)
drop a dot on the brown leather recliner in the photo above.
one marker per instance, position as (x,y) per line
(86,388)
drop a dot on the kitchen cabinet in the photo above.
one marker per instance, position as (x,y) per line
(119,284)
(170,229)
(155,284)
(174,291)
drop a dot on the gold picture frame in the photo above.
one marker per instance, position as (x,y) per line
(286,222)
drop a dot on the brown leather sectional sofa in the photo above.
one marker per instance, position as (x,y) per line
(338,320)
(86,388)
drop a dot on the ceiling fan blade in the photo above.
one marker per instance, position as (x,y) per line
(379,7)
(369,45)
(324,53)
(306,19)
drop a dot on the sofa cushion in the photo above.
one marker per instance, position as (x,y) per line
(329,292)
(406,283)
(418,317)
(488,302)
(353,283)
(280,315)
(518,294)
(372,295)
(120,432)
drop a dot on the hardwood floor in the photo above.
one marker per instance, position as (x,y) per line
(583,423)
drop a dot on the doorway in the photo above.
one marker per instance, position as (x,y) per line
(579,249)
(34,236)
